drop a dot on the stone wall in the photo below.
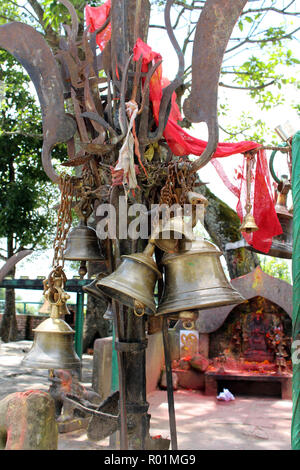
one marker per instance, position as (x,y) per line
(26,323)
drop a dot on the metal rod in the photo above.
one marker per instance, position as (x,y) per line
(172,418)
(79,323)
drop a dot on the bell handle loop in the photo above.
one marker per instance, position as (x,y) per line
(188,324)
(271,163)
(138,306)
(52,293)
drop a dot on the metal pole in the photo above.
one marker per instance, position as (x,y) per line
(295,429)
(79,323)
(172,418)
(114,365)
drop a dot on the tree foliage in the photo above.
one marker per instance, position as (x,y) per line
(276,267)
(26,195)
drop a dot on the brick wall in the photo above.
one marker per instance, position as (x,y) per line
(26,323)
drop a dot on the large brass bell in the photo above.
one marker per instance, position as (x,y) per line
(194,279)
(82,244)
(171,235)
(53,345)
(133,282)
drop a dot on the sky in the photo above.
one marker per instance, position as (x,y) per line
(34,265)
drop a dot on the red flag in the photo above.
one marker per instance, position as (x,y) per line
(95,17)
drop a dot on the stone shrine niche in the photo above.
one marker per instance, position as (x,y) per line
(258,330)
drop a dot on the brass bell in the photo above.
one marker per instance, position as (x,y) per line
(45,308)
(249,224)
(52,347)
(109,314)
(195,279)
(62,309)
(282,245)
(92,288)
(82,244)
(133,282)
(170,236)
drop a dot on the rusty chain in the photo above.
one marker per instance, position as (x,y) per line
(64,220)
(179,182)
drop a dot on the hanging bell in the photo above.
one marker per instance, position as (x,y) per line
(53,345)
(249,224)
(133,282)
(82,244)
(282,245)
(195,279)
(109,314)
(45,308)
(92,288)
(170,236)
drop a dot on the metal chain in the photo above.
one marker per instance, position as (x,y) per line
(180,178)
(64,220)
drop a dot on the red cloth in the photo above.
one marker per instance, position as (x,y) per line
(95,17)
(181,143)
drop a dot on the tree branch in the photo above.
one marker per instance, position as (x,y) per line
(50,34)
(252,88)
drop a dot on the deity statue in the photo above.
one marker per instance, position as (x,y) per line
(257,344)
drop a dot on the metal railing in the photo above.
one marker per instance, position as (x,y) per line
(22,307)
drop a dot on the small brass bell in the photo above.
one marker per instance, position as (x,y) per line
(109,314)
(249,224)
(282,245)
(53,345)
(45,308)
(169,236)
(133,282)
(82,244)
(195,279)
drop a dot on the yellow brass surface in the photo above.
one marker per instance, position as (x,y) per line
(195,279)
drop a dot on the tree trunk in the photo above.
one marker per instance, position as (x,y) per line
(95,326)
(9,327)
(222,224)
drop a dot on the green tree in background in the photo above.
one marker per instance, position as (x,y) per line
(256,63)
(276,267)
(27,196)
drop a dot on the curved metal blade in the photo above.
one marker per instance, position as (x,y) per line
(31,50)
(12,261)
(213,31)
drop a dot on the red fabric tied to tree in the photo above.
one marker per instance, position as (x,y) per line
(181,143)
(95,17)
